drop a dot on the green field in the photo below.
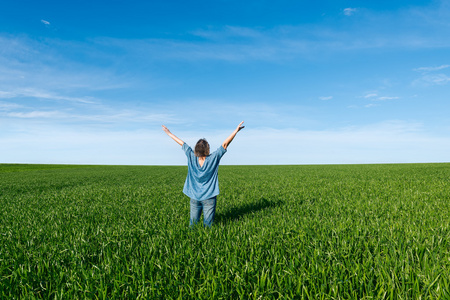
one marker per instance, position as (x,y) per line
(281,232)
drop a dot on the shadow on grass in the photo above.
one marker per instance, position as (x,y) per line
(240,211)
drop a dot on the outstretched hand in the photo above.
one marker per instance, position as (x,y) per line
(232,135)
(174,137)
(166,130)
(239,127)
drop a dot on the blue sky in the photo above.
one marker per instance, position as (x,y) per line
(316,82)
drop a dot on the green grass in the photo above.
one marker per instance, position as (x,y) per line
(281,232)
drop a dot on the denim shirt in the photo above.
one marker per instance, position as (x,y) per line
(202,182)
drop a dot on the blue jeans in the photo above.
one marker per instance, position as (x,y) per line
(209,211)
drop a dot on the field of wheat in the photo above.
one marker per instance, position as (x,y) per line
(281,232)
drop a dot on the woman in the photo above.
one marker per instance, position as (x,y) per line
(202,184)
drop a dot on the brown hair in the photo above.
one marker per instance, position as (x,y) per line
(202,148)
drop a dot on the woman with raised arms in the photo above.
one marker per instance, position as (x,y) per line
(202,184)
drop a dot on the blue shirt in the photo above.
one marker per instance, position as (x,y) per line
(202,182)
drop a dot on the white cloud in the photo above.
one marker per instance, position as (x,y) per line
(6,106)
(47,69)
(236,44)
(233,43)
(387,98)
(41,94)
(349,11)
(430,78)
(431,69)
(376,97)
(435,79)
(438,79)
(52,96)
(370,95)
(36,114)
(45,22)
(96,115)
(4,94)
(326,98)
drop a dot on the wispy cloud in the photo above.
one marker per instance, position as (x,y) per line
(45,22)
(326,98)
(33,93)
(6,95)
(438,79)
(371,95)
(36,114)
(96,115)
(55,65)
(349,11)
(370,105)
(376,97)
(280,43)
(5,106)
(387,98)
(431,77)
(431,69)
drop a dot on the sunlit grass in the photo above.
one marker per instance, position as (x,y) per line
(286,232)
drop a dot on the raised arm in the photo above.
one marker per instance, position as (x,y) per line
(174,137)
(232,135)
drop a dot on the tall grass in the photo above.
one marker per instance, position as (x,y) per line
(281,232)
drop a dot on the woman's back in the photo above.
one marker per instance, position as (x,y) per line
(202,181)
